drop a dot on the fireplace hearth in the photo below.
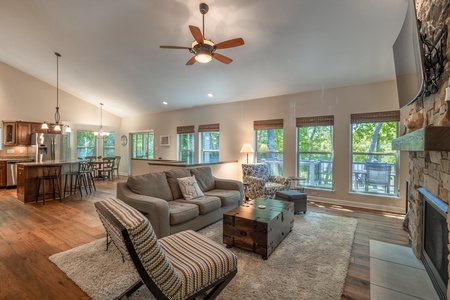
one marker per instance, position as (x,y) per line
(435,241)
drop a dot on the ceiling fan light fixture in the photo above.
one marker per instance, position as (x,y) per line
(203,57)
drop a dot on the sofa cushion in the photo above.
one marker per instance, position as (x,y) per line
(151,184)
(182,212)
(172,176)
(204,177)
(205,204)
(189,187)
(226,196)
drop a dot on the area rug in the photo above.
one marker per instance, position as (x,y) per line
(310,263)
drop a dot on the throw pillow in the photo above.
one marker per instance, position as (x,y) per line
(189,187)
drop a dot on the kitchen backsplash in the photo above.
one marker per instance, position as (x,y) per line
(17,152)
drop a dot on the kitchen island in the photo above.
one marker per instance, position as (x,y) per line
(28,174)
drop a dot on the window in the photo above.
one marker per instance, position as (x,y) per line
(269,144)
(109,145)
(186,144)
(85,144)
(209,143)
(374,163)
(315,151)
(142,145)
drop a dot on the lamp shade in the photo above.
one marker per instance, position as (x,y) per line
(247,148)
(264,148)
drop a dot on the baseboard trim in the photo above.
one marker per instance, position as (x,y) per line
(371,206)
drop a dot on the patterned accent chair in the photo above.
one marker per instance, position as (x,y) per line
(184,265)
(260,183)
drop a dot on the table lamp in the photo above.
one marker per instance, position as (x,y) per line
(247,148)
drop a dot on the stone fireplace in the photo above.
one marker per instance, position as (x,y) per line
(429,169)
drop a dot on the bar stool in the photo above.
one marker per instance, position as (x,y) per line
(49,173)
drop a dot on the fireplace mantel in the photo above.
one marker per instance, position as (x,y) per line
(431,138)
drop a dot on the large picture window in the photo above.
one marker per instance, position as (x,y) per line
(142,145)
(315,151)
(109,145)
(209,143)
(186,143)
(86,144)
(374,163)
(269,144)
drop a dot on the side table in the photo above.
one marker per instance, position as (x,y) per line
(298,184)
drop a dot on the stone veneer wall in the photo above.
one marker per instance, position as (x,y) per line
(430,169)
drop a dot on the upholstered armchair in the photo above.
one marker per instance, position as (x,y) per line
(260,183)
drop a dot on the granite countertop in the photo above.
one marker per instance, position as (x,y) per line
(47,163)
(16,159)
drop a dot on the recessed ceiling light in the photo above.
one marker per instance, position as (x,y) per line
(164,102)
(210,95)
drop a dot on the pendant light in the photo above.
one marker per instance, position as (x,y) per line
(57,115)
(100,134)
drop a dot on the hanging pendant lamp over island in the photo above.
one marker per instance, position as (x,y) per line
(57,115)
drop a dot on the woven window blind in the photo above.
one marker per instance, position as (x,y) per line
(384,116)
(314,121)
(209,128)
(268,124)
(186,129)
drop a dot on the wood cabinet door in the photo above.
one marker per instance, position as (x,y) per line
(9,133)
(23,130)
(2,173)
(36,127)
(20,180)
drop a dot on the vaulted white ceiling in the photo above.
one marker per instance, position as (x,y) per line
(110,48)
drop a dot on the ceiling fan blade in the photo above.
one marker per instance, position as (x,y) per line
(222,58)
(230,43)
(196,33)
(191,61)
(175,47)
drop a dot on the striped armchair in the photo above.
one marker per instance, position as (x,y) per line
(260,183)
(180,266)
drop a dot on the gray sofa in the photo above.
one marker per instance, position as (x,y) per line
(159,198)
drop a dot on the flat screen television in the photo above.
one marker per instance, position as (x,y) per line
(408,59)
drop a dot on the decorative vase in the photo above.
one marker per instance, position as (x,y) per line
(415,121)
(445,121)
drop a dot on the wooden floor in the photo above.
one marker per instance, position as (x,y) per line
(30,233)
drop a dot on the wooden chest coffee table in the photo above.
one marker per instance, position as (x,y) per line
(259,225)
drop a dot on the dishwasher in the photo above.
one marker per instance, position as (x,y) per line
(11,174)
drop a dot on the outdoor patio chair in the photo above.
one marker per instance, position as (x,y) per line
(378,174)
(184,265)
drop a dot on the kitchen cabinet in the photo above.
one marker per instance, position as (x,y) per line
(9,133)
(23,130)
(2,173)
(36,127)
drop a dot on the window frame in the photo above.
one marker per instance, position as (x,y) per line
(112,135)
(149,150)
(265,149)
(95,148)
(189,132)
(368,118)
(324,178)
(203,131)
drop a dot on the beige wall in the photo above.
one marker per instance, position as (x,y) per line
(23,97)
(236,128)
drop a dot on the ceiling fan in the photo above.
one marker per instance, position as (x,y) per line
(205,50)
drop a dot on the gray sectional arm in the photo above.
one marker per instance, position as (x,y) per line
(230,184)
(155,209)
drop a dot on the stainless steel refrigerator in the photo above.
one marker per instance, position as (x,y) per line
(47,146)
